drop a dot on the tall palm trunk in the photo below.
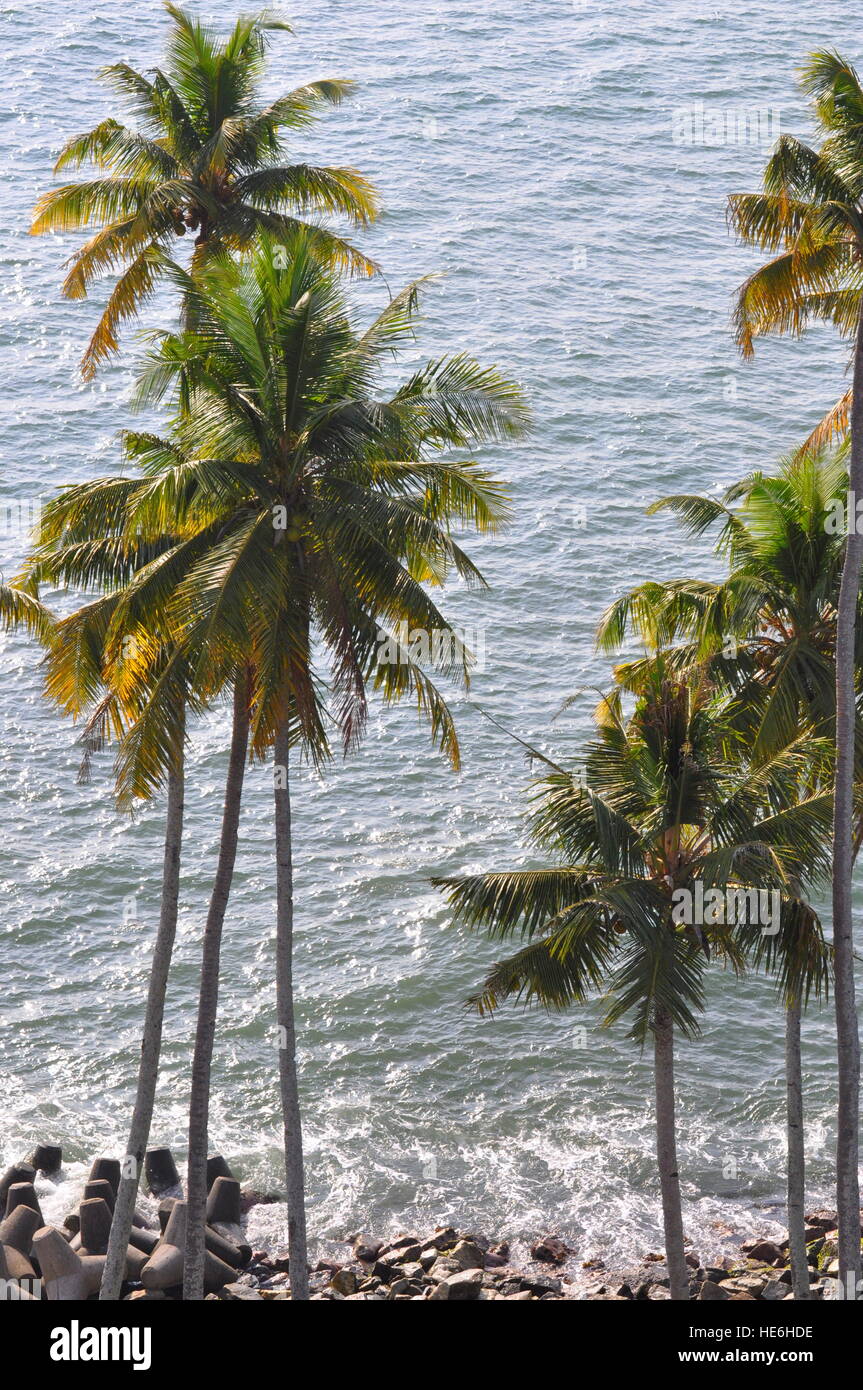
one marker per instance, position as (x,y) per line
(297,1245)
(796,1153)
(847,1034)
(666,1154)
(151,1045)
(208,1001)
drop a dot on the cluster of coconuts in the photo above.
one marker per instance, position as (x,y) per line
(191,218)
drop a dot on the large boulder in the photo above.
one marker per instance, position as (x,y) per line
(464,1285)
(550,1250)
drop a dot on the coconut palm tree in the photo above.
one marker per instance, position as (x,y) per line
(810,215)
(98,672)
(768,630)
(800,960)
(667,800)
(315,511)
(207,158)
(768,634)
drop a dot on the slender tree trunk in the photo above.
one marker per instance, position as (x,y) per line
(847,1034)
(796,1153)
(208,1002)
(151,1045)
(297,1245)
(666,1154)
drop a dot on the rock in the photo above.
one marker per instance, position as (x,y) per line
(344,1281)
(710,1292)
(550,1250)
(466,1255)
(250,1197)
(160,1171)
(442,1238)
(464,1285)
(750,1284)
(824,1220)
(47,1159)
(774,1290)
(223,1203)
(23,1194)
(217,1167)
(540,1284)
(405,1288)
(400,1243)
(441,1269)
(767,1252)
(239,1293)
(107,1168)
(497,1259)
(367,1251)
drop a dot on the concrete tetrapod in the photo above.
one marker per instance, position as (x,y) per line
(23,1194)
(66,1275)
(223,1203)
(107,1168)
(95,1230)
(160,1171)
(20,1267)
(19,1228)
(164,1269)
(100,1187)
(47,1159)
(19,1172)
(217,1167)
(13,1291)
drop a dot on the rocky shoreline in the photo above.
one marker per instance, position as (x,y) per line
(65,1262)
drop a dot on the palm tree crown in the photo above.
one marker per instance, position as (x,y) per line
(207,157)
(667,799)
(810,214)
(768,629)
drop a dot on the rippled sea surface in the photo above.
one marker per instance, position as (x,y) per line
(527,151)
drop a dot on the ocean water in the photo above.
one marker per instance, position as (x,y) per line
(532,154)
